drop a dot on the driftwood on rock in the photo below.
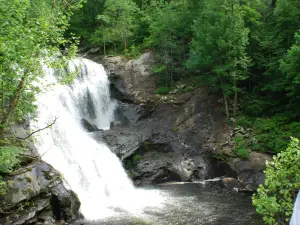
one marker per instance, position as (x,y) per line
(41,129)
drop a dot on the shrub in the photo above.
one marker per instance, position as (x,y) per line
(274,200)
(242,153)
(273,134)
(162,91)
(158,69)
(133,52)
(270,134)
(185,89)
(245,121)
(3,186)
(8,162)
(241,150)
(9,158)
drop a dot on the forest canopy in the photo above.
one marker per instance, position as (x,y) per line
(245,51)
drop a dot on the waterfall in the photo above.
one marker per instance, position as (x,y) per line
(89,168)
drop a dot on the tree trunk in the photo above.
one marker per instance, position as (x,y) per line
(14,101)
(225,100)
(235,99)
(104,49)
(52,7)
(125,45)
(172,69)
(2,112)
(273,4)
(166,64)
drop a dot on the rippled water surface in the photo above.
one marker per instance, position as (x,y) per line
(190,204)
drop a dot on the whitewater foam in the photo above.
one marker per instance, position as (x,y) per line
(89,168)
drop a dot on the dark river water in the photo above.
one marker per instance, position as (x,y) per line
(191,204)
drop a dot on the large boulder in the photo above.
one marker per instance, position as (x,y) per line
(89,127)
(152,153)
(132,77)
(179,130)
(151,164)
(30,197)
(249,172)
(161,146)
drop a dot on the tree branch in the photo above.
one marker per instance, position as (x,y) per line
(52,7)
(49,125)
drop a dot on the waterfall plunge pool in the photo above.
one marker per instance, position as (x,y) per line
(190,204)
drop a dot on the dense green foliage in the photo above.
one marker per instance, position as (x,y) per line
(246,51)
(162,91)
(9,161)
(29,32)
(116,29)
(219,47)
(269,134)
(8,158)
(240,149)
(32,33)
(274,200)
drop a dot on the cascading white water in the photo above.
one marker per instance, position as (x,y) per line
(91,170)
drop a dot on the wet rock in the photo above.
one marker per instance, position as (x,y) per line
(251,187)
(248,172)
(127,113)
(132,77)
(30,192)
(230,182)
(44,218)
(88,126)
(94,50)
(152,153)
(151,168)
(189,124)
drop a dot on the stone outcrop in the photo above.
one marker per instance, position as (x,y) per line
(132,77)
(178,133)
(173,137)
(153,153)
(248,172)
(88,126)
(160,139)
(30,198)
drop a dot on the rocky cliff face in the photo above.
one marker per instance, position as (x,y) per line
(170,138)
(132,77)
(160,139)
(37,195)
